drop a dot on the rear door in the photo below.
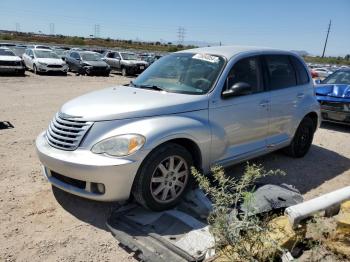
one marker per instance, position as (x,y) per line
(285,96)
(240,123)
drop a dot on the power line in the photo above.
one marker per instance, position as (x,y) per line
(325,43)
(181,32)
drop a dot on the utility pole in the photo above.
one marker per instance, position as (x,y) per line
(325,43)
(52,28)
(181,35)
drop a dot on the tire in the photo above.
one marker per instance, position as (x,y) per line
(124,72)
(35,70)
(302,139)
(157,185)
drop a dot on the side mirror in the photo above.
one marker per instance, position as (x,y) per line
(238,89)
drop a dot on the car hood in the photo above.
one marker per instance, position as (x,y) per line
(124,102)
(135,62)
(333,92)
(95,63)
(9,58)
(51,61)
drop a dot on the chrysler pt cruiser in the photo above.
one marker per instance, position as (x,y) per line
(199,107)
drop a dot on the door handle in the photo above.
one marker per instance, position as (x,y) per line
(300,95)
(264,103)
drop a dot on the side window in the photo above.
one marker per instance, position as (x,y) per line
(110,55)
(116,55)
(280,72)
(302,74)
(247,71)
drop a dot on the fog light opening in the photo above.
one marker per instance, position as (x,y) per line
(98,188)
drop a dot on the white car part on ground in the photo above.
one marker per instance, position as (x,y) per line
(327,202)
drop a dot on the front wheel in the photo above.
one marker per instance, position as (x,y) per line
(124,72)
(35,70)
(163,178)
(302,140)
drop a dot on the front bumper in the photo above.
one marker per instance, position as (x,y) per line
(48,68)
(78,171)
(335,111)
(12,69)
(136,69)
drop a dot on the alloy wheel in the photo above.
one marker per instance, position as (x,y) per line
(169,179)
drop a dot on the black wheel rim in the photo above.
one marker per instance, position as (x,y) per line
(304,139)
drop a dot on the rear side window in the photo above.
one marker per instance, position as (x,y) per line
(280,72)
(302,74)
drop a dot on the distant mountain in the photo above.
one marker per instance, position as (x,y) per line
(300,52)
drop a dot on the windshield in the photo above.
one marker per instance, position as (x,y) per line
(4,52)
(45,54)
(129,56)
(186,73)
(90,56)
(59,52)
(338,77)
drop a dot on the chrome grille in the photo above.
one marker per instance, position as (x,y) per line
(66,133)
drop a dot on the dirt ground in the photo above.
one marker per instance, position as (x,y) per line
(38,223)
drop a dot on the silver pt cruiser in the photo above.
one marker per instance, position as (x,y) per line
(199,107)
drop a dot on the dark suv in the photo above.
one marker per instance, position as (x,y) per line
(86,62)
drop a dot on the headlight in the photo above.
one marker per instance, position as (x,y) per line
(122,145)
(43,64)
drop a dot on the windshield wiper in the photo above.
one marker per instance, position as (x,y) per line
(153,87)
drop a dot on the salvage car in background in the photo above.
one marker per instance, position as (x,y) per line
(322,72)
(333,93)
(10,63)
(44,60)
(197,107)
(87,63)
(125,62)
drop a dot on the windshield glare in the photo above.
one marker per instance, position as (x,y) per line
(45,54)
(90,56)
(338,77)
(129,56)
(4,52)
(183,73)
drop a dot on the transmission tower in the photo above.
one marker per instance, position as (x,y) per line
(52,28)
(18,27)
(97,31)
(181,32)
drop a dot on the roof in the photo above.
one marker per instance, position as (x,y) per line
(228,51)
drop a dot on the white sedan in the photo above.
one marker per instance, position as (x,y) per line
(9,62)
(322,72)
(44,60)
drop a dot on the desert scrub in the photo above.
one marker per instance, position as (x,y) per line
(239,236)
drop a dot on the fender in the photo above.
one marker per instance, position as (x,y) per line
(158,130)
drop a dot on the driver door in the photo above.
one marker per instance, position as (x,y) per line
(240,122)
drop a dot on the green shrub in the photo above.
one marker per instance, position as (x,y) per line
(239,236)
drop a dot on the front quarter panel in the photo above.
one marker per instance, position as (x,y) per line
(157,130)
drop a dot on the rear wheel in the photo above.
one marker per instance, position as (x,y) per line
(163,178)
(302,140)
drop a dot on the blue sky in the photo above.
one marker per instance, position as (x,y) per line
(293,24)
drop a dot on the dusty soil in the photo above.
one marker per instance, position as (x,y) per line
(41,224)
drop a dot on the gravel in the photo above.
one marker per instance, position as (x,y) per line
(39,223)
